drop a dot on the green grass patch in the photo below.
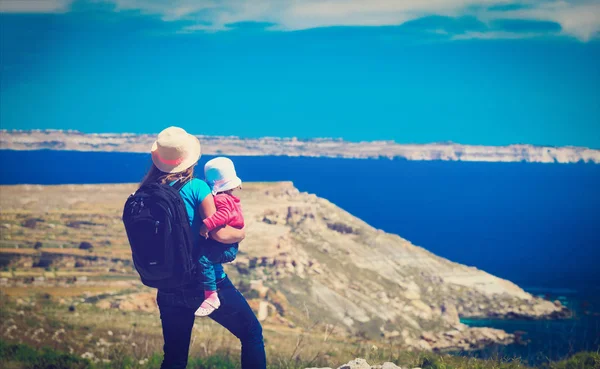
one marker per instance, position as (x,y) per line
(21,356)
(26,357)
(581,360)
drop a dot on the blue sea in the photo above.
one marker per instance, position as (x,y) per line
(537,225)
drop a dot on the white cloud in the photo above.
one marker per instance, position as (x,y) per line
(315,13)
(169,10)
(578,18)
(493,35)
(34,6)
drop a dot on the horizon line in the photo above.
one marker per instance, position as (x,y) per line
(298,139)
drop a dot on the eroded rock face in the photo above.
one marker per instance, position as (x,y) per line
(329,263)
(465,339)
(450,314)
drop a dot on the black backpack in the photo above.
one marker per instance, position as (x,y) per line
(158,229)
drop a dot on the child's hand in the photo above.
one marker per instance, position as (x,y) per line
(204,231)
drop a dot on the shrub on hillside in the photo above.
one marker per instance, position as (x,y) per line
(85,246)
(38,245)
(341,228)
(31,222)
(79,223)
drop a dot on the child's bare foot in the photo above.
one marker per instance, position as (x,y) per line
(211,303)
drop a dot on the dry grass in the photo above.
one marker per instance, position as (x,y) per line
(133,339)
(138,334)
(60,292)
(18,251)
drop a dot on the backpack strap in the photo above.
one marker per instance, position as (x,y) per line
(179,184)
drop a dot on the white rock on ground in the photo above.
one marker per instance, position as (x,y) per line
(363,364)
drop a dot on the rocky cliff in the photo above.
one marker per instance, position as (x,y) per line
(304,252)
(304,261)
(216,145)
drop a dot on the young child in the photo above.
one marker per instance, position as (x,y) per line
(220,175)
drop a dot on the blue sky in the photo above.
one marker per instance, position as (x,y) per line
(473,72)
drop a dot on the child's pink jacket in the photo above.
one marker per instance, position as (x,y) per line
(229,212)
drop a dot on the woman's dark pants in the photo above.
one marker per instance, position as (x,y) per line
(177,315)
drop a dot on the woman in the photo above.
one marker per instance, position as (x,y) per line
(174,155)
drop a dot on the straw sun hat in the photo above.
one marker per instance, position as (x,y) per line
(175,150)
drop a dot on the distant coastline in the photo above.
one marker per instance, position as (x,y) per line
(319,147)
